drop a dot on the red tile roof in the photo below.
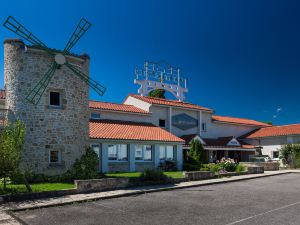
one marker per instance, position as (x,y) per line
(274,131)
(116,107)
(125,130)
(176,103)
(2,94)
(220,142)
(241,121)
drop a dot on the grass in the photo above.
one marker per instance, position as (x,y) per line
(176,174)
(20,188)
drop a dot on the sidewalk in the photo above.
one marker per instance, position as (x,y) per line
(48,202)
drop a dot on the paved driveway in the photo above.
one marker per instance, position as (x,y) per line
(271,201)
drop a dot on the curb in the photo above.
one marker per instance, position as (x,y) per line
(139,192)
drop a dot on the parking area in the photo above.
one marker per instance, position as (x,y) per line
(272,201)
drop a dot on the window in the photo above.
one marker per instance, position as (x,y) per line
(117,152)
(54,98)
(276,154)
(96,149)
(166,152)
(143,152)
(203,126)
(162,123)
(54,156)
(95,116)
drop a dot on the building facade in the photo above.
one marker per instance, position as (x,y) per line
(141,133)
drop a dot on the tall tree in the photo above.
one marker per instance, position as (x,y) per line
(197,154)
(11,144)
(157,93)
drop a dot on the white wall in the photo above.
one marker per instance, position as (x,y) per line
(137,103)
(115,115)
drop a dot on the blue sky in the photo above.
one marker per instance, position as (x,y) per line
(241,58)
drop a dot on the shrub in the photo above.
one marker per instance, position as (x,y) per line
(228,164)
(153,175)
(84,168)
(290,155)
(240,168)
(214,167)
(196,154)
(191,167)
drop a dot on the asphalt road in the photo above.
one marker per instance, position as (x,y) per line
(271,201)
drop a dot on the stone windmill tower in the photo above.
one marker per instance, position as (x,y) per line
(48,89)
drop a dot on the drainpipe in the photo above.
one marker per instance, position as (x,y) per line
(170,119)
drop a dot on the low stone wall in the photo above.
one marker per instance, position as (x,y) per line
(100,184)
(268,166)
(198,175)
(256,169)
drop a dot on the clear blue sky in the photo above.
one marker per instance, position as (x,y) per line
(241,58)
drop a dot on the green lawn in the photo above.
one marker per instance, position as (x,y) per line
(176,174)
(20,188)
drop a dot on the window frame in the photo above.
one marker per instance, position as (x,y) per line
(144,149)
(60,99)
(58,157)
(95,118)
(164,123)
(203,126)
(164,148)
(117,153)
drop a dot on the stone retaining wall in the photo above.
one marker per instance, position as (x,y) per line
(255,169)
(268,166)
(198,175)
(101,184)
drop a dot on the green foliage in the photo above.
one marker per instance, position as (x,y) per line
(228,165)
(290,155)
(215,167)
(153,175)
(191,167)
(196,154)
(268,122)
(240,168)
(84,168)
(11,144)
(157,93)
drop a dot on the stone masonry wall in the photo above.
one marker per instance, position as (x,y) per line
(64,129)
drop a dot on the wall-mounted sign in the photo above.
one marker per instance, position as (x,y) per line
(184,121)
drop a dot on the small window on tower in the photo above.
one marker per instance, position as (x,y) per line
(54,156)
(54,98)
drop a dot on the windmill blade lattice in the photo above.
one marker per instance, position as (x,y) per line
(60,58)
(13,25)
(92,83)
(80,30)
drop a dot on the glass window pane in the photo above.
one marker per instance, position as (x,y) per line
(54,156)
(112,152)
(170,153)
(138,152)
(122,152)
(96,149)
(147,152)
(95,116)
(54,98)
(162,152)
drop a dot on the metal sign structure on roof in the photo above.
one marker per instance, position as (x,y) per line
(160,75)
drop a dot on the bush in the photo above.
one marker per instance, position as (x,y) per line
(191,167)
(153,175)
(228,165)
(290,155)
(240,168)
(84,168)
(215,168)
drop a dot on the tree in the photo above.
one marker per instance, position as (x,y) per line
(11,144)
(196,153)
(157,93)
(290,155)
(268,122)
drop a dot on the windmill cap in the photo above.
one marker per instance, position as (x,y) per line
(13,40)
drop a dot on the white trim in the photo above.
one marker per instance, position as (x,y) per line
(124,112)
